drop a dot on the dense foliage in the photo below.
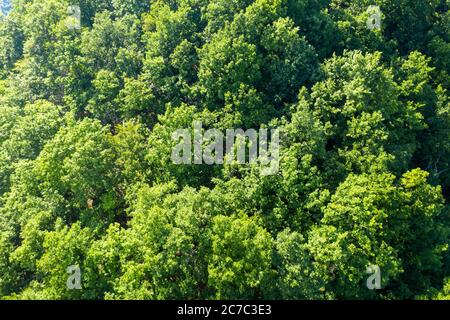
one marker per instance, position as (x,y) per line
(86,122)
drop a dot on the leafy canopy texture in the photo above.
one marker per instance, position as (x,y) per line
(87,116)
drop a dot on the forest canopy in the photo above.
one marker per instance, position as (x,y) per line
(89,102)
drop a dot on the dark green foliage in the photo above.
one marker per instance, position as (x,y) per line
(87,117)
